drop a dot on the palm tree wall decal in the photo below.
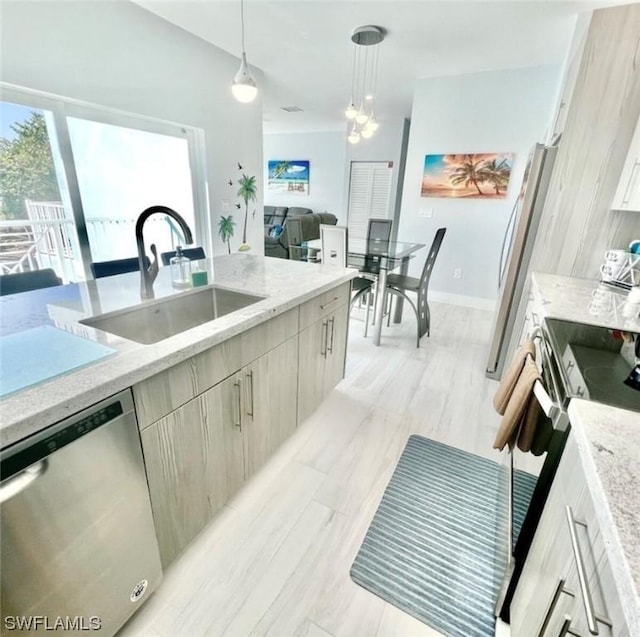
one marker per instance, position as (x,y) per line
(248,191)
(226,226)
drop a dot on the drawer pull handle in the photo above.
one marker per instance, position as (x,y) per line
(587,600)
(332,320)
(250,377)
(333,300)
(238,386)
(324,338)
(566,628)
(560,589)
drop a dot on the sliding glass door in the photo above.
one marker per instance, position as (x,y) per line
(36,225)
(85,176)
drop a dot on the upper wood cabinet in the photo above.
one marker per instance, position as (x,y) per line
(627,195)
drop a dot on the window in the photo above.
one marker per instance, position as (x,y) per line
(86,175)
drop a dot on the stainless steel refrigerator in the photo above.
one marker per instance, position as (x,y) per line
(517,247)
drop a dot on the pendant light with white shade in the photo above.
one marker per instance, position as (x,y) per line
(361,109)
(244,87)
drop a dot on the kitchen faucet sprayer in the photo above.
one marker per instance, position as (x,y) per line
(148,274)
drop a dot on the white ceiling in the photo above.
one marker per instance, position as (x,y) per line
(303,47)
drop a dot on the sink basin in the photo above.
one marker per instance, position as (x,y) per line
(155,321)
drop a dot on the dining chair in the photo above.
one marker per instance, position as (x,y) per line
(378,231)
(101,269)
(333,240)
(193,254)
(400,284)
(27,281)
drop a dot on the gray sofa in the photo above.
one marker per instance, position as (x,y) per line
(310,222)
(277,215)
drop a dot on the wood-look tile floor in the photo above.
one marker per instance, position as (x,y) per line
(276,560)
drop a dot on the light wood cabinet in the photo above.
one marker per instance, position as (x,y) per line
(199,455)
(627,195)
(209,423)
(549,598)
(322,354)
(195,462)
(269,403)
(160,394)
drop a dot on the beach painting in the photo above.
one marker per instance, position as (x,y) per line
(291,177)
(476,176)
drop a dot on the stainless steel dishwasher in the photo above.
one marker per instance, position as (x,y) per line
(79,549)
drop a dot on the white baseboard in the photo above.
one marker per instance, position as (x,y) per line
(458,299)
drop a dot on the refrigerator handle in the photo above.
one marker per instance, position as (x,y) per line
(504,243)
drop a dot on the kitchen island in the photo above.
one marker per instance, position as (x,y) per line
(284,284)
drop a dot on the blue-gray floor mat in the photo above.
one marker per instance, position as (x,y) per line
(433,546)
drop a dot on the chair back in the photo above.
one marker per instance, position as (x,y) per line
(423,308)
(193,254)
(379,230)
(26,281)
(101,269)
(334,245)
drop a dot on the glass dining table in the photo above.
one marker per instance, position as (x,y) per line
(376,259)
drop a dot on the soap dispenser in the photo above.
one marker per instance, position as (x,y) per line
(180,270)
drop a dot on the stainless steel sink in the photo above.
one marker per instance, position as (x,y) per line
(157,320)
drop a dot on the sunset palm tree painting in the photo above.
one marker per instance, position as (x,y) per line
(291,177)
(475,176)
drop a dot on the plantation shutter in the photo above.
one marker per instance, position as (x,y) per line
(369,193)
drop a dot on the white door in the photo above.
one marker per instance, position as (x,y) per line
(369,194)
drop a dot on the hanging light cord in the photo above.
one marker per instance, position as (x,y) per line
(353,73)
(242,22)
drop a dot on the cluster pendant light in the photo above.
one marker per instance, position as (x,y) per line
(244,87)
(364,71)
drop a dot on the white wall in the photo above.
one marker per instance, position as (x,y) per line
(494,111)
(326,154)
(118,55)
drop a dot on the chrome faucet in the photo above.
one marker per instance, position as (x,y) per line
(148,274)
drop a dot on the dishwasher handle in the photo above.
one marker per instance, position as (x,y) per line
(18,483)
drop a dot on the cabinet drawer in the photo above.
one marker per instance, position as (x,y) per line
(324,304)
(161,394)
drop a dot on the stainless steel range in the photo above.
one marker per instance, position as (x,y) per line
(578,361)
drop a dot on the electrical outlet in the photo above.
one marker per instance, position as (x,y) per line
(457,273)
(427,213)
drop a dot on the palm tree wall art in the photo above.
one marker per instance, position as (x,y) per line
(248,191)
(226,227)
(470,176)
(289,176)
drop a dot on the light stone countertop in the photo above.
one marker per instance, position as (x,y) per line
(608,440)
(585,301)
(284,283)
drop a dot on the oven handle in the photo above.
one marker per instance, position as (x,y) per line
(550,408)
